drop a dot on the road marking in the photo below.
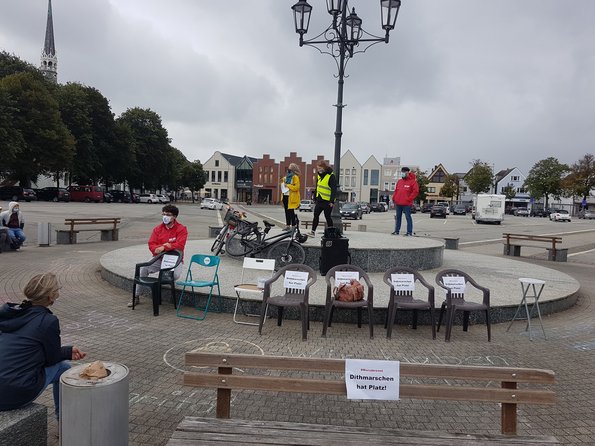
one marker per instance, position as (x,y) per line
(581,252)
(219,220)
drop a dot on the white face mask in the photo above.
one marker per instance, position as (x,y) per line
(167,219)
(403,174)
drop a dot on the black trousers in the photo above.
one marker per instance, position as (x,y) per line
(322,206)
(290,217)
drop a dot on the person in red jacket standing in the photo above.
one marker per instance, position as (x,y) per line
(170,235)
(405,192)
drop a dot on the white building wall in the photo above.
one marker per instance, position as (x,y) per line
(350,176)
(218,185)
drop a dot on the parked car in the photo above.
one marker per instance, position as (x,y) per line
(306,205)
(86,193)
(539,212)
(438,211)
(211,203)
(413,209)
(17,193)
(148,198)
(365,207)
(377,207)
(121,196)
(352,210)
(135,197)
(445,205)
(427,207)
(586,214)
(163,198)
(560,215)
(459,209)
(521,212)
(53,194)
(107,197)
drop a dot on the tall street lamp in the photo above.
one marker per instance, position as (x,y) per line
(343,38)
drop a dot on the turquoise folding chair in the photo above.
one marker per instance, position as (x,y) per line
(200,261)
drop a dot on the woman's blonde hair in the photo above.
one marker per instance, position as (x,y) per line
(41,287)
(295,168)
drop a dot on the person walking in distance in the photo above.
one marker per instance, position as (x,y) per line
(326,187)
(406,191)
(290,187)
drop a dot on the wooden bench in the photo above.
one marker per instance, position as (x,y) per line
(69,236)
(431,382)
(514,249)
(308,223)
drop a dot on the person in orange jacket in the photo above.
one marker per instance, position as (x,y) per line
(406,191)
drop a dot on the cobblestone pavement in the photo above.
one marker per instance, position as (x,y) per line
(94,316)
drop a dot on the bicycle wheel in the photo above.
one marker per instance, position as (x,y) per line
(220,240)
(286,253)
(239,245)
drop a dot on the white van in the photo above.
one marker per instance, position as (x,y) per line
(489,208)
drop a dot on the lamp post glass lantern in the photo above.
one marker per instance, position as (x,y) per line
(342,39)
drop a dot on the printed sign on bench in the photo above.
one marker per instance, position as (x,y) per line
(456,284)
(403,282)
(296,280)
(168,261)
(372,380)
(345,277)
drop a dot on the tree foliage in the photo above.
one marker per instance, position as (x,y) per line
(450,186)
(581,179)
(422,182)
(194,176)
(40,142)
(479,178)
(545,178)
(509,191)
(150,146)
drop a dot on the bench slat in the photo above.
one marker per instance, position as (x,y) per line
(209,431)
(414,391)
(338,366)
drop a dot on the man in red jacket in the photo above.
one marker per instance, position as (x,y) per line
(405,192)
(170,235)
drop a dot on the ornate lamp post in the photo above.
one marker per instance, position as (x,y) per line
(343,38)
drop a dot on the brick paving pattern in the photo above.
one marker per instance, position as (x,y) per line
(94,316)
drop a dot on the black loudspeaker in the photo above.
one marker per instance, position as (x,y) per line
(333,252)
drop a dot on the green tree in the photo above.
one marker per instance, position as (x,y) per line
(581,180)
(44,143)
(176,163)
(479,178)
(422,182)
(545,179)
(509,191)
(150,146)
(450,186)
(11,64)
(194,176)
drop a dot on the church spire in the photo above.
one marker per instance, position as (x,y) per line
(49,61)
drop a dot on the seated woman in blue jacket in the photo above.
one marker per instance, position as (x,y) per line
(31,354)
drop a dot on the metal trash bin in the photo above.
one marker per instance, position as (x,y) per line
(43,234)
(94,412)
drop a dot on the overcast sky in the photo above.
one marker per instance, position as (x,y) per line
(508,82)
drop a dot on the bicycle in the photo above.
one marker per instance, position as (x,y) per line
(234,222)
(285,248)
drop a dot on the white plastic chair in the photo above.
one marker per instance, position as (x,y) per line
(254,273)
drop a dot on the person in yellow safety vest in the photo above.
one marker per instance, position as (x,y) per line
(326,187)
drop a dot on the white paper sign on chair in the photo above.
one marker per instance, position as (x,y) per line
(345,277)
(403,282)
(456,284)
(296,280)
(168,261)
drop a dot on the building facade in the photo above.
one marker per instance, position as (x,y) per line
(349,178)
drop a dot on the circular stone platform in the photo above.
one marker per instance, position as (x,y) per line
(376,253)
(500,275)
